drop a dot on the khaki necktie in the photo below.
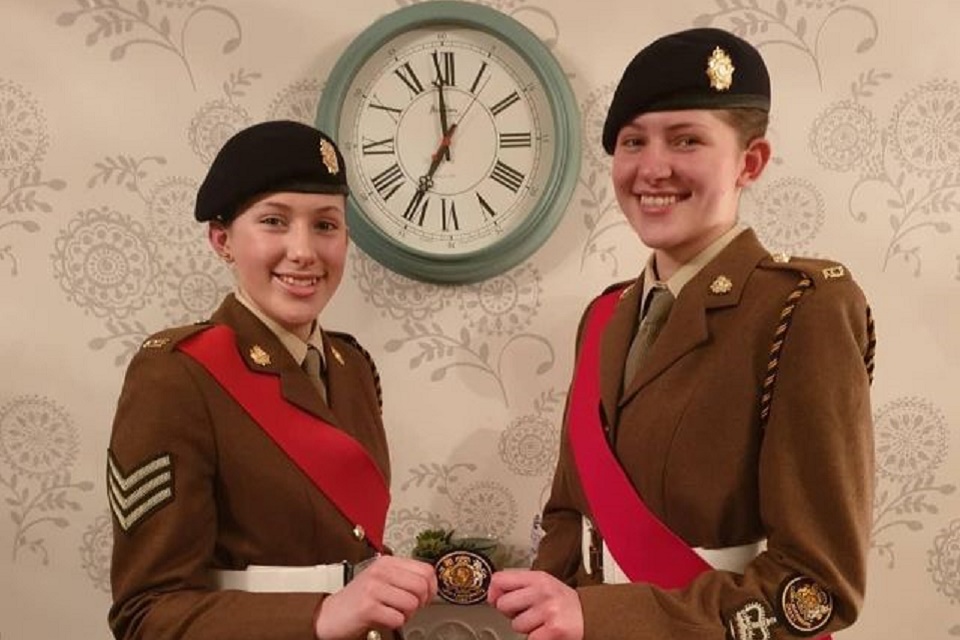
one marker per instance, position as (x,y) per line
(312,364)
(659,302)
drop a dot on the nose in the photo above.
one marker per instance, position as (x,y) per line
(300,247)
(652,163)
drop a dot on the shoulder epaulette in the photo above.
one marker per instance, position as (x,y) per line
(166,340)
(623,287)
(816,269)
(349,339)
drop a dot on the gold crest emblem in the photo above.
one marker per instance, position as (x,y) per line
(258,355)
(807,607)
(336,355)
(463,576)
(155,343)
(780,256)
(721,285)
(720,70)
(329,156)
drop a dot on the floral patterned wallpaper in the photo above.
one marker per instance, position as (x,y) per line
(110,111)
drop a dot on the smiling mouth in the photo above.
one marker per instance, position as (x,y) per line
(660,201)
(299,281)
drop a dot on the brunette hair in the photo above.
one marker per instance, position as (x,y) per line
(749,124)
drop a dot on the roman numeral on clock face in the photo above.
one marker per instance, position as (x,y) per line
(384,147)
(405,72)
(501,106)
(449,218)
(443,65)
(515,140)
(388,181)
(507,176)
(416,209)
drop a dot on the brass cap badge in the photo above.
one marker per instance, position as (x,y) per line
(720,70)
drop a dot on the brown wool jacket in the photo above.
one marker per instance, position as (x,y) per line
(236,498)
(688,434)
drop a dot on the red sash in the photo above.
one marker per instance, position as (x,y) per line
(645,548)
(336,463)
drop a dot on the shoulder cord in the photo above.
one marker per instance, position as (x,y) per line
(773,364)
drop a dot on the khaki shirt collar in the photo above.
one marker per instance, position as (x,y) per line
(688,270)
(292,342)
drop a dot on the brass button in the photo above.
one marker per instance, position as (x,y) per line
(373,634)
(360,534)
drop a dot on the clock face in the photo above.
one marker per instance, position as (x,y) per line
(461,138)
(496,159)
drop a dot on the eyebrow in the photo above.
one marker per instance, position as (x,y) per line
(279,204)
(686,124)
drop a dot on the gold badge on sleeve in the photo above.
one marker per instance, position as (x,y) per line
(806,606)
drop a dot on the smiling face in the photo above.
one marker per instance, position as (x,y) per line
(287,252)
(678,177)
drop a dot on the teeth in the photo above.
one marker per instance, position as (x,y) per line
(299,282)
(658,201)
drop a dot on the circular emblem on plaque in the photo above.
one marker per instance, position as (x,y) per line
(463,576)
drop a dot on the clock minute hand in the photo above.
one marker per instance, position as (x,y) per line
(443,115)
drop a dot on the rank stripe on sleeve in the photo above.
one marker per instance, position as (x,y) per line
(139,493)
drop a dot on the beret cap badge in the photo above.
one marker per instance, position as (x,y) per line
(329,156)
(720,70)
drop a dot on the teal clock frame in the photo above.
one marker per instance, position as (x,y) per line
(533,231)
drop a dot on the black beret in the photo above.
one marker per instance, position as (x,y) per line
(280,155)
(695,69)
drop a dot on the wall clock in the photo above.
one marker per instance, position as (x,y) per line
(461,137)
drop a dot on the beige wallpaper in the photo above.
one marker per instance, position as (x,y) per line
(110,110)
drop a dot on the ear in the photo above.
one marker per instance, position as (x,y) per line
(219,236)
(755,159)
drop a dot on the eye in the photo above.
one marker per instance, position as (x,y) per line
(686,141)
(326,225)
(630,141)
(272,220)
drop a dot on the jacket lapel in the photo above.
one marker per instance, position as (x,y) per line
(263,352)
(686,327)
(614,345)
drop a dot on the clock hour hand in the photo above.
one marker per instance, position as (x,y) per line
(443,115)
(425,183)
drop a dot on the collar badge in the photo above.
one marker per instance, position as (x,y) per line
(721,285)
(259,356)
(780,256)
(720,70)
(336,355)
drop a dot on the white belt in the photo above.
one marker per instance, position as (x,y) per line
(733,559)
(324,578)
